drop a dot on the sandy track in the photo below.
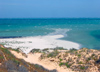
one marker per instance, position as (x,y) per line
(34,58)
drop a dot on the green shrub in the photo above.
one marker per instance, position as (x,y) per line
(79,55)
(60,60)
(88,59)
(76,52)
(93,55)
(72,50)
(16,61)
(67,65)
(50,55)
(53,54)
(82,67)
(36,65)
(80,51)
(1,57)
(61,64)
(9,57)
(35,50)
(59,48)
(16,50)
(6,51)
(46,49)
(80,62)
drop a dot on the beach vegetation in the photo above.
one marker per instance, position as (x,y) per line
(66,53)
(61,63)
(46,49)
(9,57)
(59,48)
(35,50)
(15,61)
(76,53)
(53,54)
(80,62)
(36,65)
(1,57)
(88,59)
(79,55)
(60,60)
(72,50)
(82,67)
(92,55)
(17,50)
(67,65)
(80,51)
(7,51)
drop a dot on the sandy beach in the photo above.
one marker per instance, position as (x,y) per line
(26,44)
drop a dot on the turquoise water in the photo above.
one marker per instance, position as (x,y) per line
(85,31)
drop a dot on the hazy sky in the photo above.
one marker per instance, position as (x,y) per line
(49,8)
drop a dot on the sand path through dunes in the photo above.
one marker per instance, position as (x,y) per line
(34,58)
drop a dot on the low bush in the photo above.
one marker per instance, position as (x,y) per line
(46,49)
(60,64)
(59,48)
(53,54)
(79,55)
(72,50)
(67,65)
(60,60)
(17,50)
(88,59)
(6,51)
(82,67)
(15,61)
(80,62)
(35,50)
(1,57)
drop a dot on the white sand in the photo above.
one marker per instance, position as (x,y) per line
(34,58)
(26,44)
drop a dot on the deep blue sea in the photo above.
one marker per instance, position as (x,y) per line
(85,31)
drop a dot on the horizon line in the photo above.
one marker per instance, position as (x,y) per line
(54,18)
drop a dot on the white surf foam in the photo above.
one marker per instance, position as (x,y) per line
(26,44)
(60,31)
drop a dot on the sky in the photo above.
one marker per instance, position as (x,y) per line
(49,8)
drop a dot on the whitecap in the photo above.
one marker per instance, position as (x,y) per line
(60,31)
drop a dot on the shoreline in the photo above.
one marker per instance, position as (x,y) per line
(26,44)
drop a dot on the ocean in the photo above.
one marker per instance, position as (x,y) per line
(29,33)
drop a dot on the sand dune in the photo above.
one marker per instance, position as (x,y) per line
(34,58)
